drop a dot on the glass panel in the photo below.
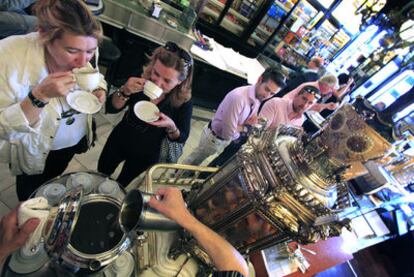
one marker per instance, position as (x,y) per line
(268,24)
(321,41)
(394,89)
(223,202)
(239,15)
(249,230)
(363,45)
(212,10)
(345,14)
(291,42)
(326,3)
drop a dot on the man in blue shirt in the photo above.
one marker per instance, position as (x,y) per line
(13,18)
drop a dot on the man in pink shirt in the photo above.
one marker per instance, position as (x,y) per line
(326,85)
(238,109)
(289,111)
(277,111)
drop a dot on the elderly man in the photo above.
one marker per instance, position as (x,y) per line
(237,110)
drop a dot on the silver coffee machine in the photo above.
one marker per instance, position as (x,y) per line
(283,185)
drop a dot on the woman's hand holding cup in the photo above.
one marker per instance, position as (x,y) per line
(133,85)
(55,85)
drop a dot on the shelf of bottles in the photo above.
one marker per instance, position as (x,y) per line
(212,10)
(328,40)
(269,23)
(290,43)
(240,14)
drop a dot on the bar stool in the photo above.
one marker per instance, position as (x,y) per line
(109,54)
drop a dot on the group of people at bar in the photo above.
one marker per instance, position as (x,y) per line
(40,133)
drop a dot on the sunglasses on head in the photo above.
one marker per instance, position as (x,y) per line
(184,55)
(311,90)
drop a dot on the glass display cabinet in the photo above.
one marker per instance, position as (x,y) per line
(288,31)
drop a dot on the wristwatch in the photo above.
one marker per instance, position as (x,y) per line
(36,102)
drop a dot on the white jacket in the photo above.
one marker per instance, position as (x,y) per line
(22,67)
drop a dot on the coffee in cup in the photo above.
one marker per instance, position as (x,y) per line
(87,78)
(152,90)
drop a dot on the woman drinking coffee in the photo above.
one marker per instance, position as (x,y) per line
(158,106)
(39,132)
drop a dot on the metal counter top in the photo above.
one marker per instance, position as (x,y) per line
(130,15)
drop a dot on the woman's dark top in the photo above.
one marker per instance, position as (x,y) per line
(181,117)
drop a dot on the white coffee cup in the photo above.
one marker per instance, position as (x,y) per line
(152,90)
(87,79)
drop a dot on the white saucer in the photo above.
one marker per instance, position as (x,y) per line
(146,111)
(27,264)
(83,102)
(121,267)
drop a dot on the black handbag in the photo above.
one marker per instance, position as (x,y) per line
(171,151)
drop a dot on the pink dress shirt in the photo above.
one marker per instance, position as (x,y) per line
(279,111)
(238,105)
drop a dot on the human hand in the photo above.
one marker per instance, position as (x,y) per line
(100,94)
(164,122)
(12,237)
(171,204)
(331,106)
(134,85)
(251,121)
(54,85)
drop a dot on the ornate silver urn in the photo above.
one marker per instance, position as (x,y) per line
(283,185)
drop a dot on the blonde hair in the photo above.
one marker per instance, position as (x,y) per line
(182,92)
(330,80)
(58,16)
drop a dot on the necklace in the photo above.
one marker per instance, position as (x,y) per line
(69,114)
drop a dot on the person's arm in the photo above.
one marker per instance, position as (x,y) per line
(120,98)
(223,255)
(55,85)
(318,107)
(22,116)
(12,237)
(183,122)
(269,113)
(343,90)
(230,116)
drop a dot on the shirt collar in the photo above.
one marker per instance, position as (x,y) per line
(252,93)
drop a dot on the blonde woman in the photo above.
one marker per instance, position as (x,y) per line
(136,142)
(39,133)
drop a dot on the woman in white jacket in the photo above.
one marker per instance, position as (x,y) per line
(39,133)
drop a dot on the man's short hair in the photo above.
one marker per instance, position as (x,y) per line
(274,74)
(318,62)
(330,80)
(311,90)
